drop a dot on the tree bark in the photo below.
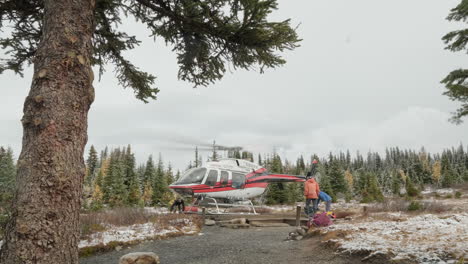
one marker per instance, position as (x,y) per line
(44,227)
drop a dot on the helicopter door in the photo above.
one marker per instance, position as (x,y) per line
(212,178)
(238,180)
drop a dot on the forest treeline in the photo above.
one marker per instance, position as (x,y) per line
(114,179)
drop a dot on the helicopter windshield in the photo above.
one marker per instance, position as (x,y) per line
(193,176)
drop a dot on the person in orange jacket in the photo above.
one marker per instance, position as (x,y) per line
(311,193)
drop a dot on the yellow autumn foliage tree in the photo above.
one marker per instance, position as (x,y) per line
(349,179)
(436,171)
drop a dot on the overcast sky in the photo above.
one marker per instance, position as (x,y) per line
(367,76)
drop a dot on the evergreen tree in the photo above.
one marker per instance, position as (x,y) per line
(169,174)
(160,186)
(370,189)
(396,183)
(115,192)
(337,179)
(7,176)
(64,44)
(411,190)
(325,182)
(131,180)
(276,192)
(456,81)
(129,163)
(177,176)
(91,165)
(448,174)
(150,172)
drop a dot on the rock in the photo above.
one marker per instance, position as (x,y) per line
(139,258)
(298,238)
(301,231)
(118,248)
(209,222)
(348,218)
(241,221)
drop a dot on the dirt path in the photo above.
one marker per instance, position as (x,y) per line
(223,245)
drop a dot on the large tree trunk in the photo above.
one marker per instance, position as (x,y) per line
(45,220)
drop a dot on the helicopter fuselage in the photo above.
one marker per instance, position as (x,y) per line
(229,179)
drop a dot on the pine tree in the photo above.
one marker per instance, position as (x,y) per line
(160,186)
(64,44)
(177,176)
(448,174)
(370,191)
(150,172)
(131,180)
(325,182)
(7,176)
(337,179)
(276,192)
(169,174)
(411,190)
(456,82)
(115,192)
(91,164)
(396,183)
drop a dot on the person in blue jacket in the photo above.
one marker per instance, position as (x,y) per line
(323,196)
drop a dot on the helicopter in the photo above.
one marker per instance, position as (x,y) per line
(234,181)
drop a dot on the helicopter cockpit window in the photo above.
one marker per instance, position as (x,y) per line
(212,178)
(238,180)
(193,176)
(224,178)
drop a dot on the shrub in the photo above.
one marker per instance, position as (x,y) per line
(390,205)
(458,195)
(449,196)
(415,206)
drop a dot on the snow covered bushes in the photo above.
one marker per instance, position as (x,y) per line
(107,230)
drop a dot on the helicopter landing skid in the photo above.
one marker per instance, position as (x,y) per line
(222,208)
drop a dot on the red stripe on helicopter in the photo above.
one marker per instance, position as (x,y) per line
(272,177)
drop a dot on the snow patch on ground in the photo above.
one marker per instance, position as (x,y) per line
(426,238)
(136,232)
(445,191)
(156,210)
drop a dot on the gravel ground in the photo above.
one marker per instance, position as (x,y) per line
(224,245)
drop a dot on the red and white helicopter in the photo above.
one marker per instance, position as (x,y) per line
(233,180)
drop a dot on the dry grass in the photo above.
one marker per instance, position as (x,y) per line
(402,205)
(98,221)
(463,187)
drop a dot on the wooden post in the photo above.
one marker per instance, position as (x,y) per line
(298,215)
